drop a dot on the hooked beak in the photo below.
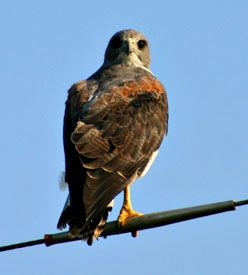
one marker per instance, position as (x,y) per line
(129,46)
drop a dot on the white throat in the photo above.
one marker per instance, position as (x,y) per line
(131,60)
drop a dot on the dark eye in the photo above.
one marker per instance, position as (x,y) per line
(116,42)
(142,44)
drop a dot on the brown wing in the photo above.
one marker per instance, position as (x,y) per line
(75,174)
(116,135)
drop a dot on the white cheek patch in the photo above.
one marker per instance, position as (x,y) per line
(149,164)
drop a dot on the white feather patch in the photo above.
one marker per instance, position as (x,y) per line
(62,184)
(149,164)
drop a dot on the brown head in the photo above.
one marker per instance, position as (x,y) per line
(128,47)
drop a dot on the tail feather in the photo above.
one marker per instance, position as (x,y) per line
(64,218)
(89,232)
(93,234)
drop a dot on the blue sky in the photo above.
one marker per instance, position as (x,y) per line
(199,52)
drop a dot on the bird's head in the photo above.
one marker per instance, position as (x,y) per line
(128,47)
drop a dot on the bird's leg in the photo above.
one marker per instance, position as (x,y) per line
(127,210)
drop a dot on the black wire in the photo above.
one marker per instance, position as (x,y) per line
(20,245)
(240,203)
(144,222)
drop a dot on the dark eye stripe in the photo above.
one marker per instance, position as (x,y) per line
(142,44)
(116,42)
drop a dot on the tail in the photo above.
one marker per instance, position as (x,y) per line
(95,229)
(90,231)
(64,218)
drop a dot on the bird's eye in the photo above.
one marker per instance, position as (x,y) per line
(116,42)
(142,44)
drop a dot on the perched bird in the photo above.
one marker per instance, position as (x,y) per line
(114,123)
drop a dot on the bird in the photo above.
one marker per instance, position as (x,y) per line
(114,123)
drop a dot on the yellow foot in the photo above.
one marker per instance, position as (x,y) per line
(127,213)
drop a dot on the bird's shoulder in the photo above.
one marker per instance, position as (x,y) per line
(126,82)
(81,91)
(113,89)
